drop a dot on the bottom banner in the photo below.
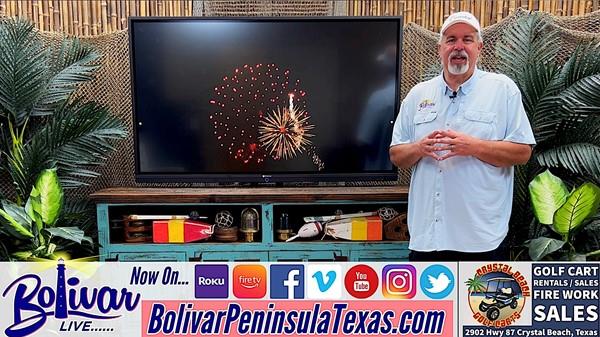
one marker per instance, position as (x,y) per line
(299,299)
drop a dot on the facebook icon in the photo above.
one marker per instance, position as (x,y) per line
(287,281)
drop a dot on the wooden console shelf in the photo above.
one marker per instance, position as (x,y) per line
(271,202)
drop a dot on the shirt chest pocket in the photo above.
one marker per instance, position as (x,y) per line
(480,124)
(424,123)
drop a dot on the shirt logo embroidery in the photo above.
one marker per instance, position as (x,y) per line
(427,103)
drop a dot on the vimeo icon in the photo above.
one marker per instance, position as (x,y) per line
(324,281)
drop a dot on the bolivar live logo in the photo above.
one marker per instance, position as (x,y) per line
(497,295)
(34,303)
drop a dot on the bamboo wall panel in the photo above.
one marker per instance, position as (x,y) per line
(94,17)
(431,13)
(90,17)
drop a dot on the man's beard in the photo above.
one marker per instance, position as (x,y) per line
(458,69)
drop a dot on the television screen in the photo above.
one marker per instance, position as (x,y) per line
(264,99)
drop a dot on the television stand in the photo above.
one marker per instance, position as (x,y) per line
(270,202)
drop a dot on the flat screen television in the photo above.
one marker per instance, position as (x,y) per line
(264,99)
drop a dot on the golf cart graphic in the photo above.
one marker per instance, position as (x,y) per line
(500,292)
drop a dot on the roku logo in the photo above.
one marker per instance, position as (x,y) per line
(212,281)
(204,281)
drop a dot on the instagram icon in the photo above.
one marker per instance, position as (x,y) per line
(399,281)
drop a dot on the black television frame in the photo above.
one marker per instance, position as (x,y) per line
(251,177)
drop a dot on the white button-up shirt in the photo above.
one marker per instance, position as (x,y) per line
(461,203)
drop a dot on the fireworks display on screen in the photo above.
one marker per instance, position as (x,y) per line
(261,112)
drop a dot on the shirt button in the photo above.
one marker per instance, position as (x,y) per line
(440,171)
(438,194)
(447,124)
(436,220)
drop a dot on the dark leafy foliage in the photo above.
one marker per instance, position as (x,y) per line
(43,125)
(563,105)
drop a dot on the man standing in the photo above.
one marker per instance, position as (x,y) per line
(461,133)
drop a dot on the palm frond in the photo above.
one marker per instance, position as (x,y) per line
(583,92)
(75,63)
(583,62)
(529,41)
(529,59)
(544,108)
(575,130)
(78,213)
(22,69)
(579,158)
(579,129)
(77,136)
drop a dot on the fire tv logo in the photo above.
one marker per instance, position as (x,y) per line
(249,281)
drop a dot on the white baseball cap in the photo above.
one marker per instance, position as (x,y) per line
(461,17)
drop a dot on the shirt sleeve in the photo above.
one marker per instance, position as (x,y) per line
(518,128)
(403,127)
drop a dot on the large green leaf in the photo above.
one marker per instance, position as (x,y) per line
(581,203)
(548,193)
(70,233)
(542,246)
(23,255)
(33,207)
(51,196)
(21,230)
(16,212)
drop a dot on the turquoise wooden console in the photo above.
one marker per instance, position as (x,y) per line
(112,204)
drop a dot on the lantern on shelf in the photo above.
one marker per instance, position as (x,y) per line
(250,223)
(284,232)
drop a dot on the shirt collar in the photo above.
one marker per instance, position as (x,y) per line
(464,88)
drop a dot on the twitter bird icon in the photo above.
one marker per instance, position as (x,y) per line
(437,281)
(438,284)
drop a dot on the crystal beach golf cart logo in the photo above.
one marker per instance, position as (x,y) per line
(497,294)
(35,302)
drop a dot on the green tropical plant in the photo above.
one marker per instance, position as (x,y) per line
(45,125)
(36,223)
(566,214)
(562,101)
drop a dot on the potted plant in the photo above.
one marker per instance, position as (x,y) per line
(562,101)
(43,125)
